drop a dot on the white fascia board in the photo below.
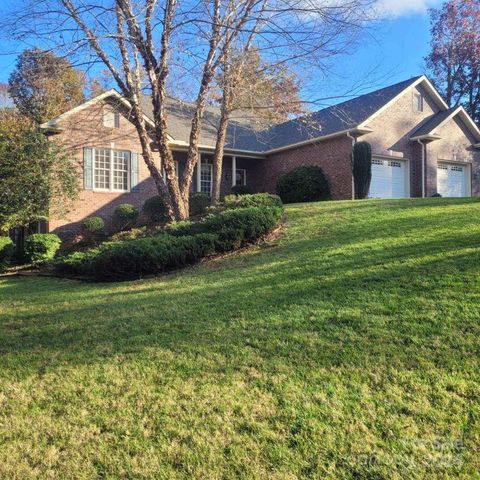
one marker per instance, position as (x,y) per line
(52,125)
(361,131)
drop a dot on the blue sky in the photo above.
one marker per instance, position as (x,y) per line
(392,50)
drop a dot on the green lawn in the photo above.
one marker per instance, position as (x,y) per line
(348,348)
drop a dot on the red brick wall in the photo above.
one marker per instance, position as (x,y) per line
(333,156)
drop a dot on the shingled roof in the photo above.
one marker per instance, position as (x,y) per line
(433,122)
(242,134)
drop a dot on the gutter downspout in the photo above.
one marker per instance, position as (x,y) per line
(422,146)
(354,140)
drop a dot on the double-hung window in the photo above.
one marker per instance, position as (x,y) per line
(206,176)
(111,169)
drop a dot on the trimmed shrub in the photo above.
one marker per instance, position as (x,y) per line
(6,252)
(198,204)
(155,209)
(362,169)
(255,200)
(185,243)
(149,255)
(303,184)
(41,247)
(129,234)
(78,263)
(92,227)
(234,228)
(241,190)
(124,216)
(436,195)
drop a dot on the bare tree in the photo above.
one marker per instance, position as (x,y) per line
(140,41)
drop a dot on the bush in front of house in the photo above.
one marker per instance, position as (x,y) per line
(254,200)
(241,190)
(155,209)
(41,247)
(125,216)
(233,228)
(303,184)
(184,243)
(6,252)
(92,228)
(150,255)
(198,204)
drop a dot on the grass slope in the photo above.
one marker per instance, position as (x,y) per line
(348,348)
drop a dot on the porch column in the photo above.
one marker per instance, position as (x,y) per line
(234,171)
(199,173)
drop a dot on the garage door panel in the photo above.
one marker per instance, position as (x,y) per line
(388,179)
(451,180)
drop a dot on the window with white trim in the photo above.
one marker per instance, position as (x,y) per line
(206,176)
(417,102)
(394,164)
(377,161)
(111,169)
(111,119)
(241,177)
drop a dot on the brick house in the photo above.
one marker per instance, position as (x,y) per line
(420,147)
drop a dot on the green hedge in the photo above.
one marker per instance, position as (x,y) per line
(41,247)
(233,228)
(198,204)
(255,200)
(184,244)
(6,252)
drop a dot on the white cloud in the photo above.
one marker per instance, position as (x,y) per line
(398,8)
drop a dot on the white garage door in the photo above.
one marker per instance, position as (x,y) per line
(388,179)
(452,180)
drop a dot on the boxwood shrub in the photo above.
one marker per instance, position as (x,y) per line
(149,255)
(41,247)
(155,209)
(255,200)
(233,228)
(241,190)
(303,184)
(6,252)
(184,243)
(125,216)
(198,204)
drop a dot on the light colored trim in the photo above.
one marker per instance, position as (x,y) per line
(199,173)
(469,123)
(234,171)
(361,131)
(178,146)
(52,125)
(422,80)
(425,137)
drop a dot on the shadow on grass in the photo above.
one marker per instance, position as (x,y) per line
(377,296)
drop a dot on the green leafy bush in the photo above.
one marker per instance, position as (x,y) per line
(93,225)
(234,228)
(41,247)
(125,216)
(184,243)
(92,229)
(198,204)
(255,200)
(78,263)
(155,209)
(6,252)
(149,255)
(241,190)
(129,234)
(303,184)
